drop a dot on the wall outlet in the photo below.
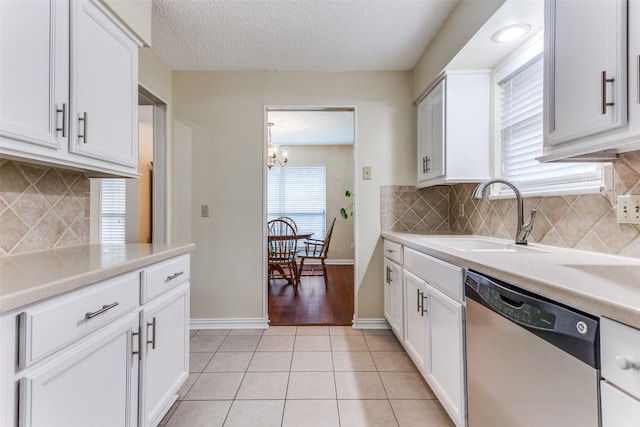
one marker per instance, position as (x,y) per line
(461,211)
(204,211)
(628,209)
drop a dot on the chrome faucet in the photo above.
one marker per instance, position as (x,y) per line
(523,229)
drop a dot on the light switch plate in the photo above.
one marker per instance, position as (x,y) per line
(366,173)
(628,209)
(204,210)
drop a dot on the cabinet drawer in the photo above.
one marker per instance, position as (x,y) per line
(393,251)
(163,276)
(620,354)
(445,277)
(48,326)
(618,409)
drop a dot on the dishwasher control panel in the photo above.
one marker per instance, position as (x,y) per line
(516,310)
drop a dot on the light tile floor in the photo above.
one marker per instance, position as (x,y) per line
(303,376)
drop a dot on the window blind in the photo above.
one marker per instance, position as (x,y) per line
(522,139)
(299,192)
(112,210)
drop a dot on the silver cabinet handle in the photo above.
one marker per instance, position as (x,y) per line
(63,129)
(424,310)
(173,276)
(153,333)
(625,363)
(425,164)
(418,300)
(84,120)
(603,86)
(102,310)
(139,351)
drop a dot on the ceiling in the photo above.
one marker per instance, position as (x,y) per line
(320,35)
(295,35)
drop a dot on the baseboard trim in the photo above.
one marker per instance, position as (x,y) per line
(372,323)
(238,323)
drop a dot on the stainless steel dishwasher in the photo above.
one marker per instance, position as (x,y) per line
(530,361)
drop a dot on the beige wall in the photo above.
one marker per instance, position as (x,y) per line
(338,160)
(224,114)
(464,21)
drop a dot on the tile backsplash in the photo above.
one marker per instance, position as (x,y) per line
(586,222)
(41,207)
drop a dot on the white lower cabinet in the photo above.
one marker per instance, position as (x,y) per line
(434,328)
(416,326)
(105,354)
(393,297)
(165,323)
(446,373)
(620,387)
(93,383)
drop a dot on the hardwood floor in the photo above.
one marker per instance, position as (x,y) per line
(314,304)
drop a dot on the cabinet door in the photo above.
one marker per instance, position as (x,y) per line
(447,353)
(585,68)
(431,134)
(389,295)
(104,86)
(393,298)
(34,73)
(165,324)
(92,384)
(416,336)
(618,409)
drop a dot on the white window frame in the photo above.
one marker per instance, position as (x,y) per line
(590,179)
(321,209)
(109,195)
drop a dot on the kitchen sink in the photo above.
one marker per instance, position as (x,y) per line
(480,244)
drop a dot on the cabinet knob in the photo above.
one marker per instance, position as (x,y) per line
(625,363)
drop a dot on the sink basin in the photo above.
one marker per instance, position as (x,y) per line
(480,244)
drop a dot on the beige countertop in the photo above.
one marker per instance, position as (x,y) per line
(600,284)
(32,277)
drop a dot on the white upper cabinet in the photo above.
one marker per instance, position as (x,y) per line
(34,73)
(591,100)
(104,89)
(69,76)
(453,130)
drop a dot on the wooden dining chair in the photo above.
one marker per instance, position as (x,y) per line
(316,250)
(290,221)
(282,244)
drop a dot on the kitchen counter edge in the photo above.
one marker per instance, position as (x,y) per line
(562,291)
(37,288)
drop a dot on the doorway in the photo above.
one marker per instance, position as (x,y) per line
(307,180)
(135,210)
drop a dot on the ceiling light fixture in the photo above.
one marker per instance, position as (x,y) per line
(510,33)
(273,150)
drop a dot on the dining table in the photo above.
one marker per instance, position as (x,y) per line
(299,235)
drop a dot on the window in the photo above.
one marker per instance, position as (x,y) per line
(300,193)
(521,134)
(112,210)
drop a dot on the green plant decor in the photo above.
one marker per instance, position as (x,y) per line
(343,211)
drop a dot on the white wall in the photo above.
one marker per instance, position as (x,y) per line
(225,114)
(338,160)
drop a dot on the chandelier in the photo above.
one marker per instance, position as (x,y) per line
(273,150)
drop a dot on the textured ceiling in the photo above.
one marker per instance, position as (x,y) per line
(295,35)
